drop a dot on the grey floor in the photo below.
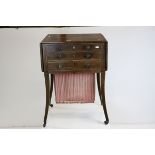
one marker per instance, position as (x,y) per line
(84,116)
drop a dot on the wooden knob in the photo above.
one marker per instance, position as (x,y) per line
(59,55)
(59,48)
(73,55)
(88,47)
(60,66)
(87,66)
(88,55)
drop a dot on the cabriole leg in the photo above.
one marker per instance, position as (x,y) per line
(47,85)
(99,85)
(51,89)
(103,97)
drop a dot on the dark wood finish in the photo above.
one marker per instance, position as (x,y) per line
(47,84)
(51,89)
(76,66)
(79,38)
(74,53)
(71,46)
(57,66)
(90,65)
(103,97)
(99,85)
(70,55)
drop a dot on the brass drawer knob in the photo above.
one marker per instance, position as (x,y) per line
(88,55)
(87,66)
(73,55)
(60,66)
(97,46)
(60,55)
(59,48)
(88,47)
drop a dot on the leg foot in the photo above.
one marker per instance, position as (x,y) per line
(51,105)
(47,97)
(106,122)
(103,98)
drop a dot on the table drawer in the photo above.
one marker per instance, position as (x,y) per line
(74,55)
(90,65)
(74,47)
(76,66)
(89,55)
(60,66)
(61,56)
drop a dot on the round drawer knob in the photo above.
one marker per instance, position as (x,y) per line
(59,55)
(73,55)
(60,66)
(88,47)
(87,66)
(59,48)
(88,55)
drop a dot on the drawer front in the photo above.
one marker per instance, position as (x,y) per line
(74,51)
(60,66)
(88,55)
(74,47)
(74,55)
(90,65)
(76,66)
(61,55)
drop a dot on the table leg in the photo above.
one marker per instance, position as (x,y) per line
(51,89)
(47,85)
(99,85)
(103,97)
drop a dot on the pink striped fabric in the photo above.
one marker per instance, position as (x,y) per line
(74,87)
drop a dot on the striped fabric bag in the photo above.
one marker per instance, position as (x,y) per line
(74,87)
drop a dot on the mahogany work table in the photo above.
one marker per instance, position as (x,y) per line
(62,53)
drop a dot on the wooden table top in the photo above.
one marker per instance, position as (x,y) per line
(63,38)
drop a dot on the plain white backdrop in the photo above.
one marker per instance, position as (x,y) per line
(69,12)
(130,83)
